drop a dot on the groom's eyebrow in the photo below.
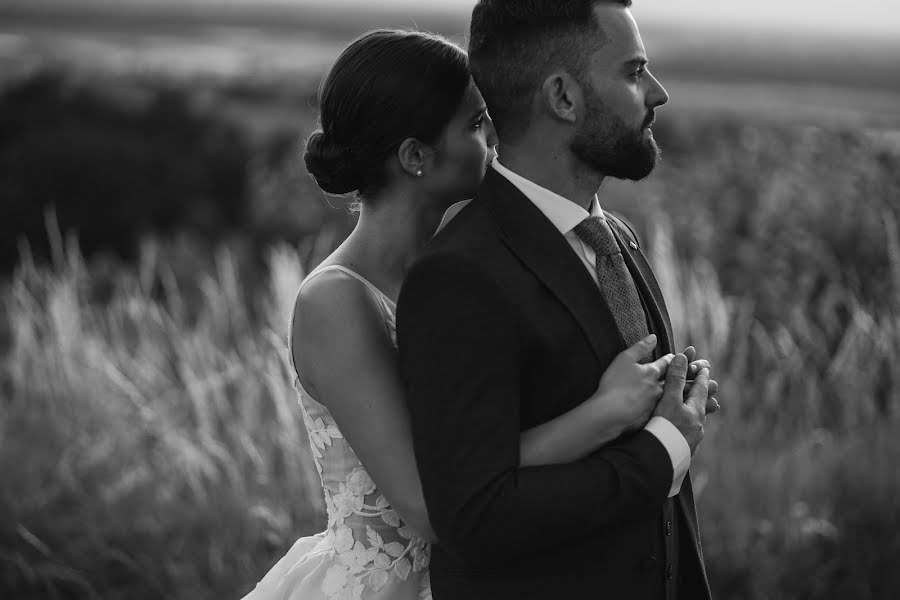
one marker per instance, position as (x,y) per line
(479,112)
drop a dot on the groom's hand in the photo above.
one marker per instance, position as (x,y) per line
(687,415)
(712,404)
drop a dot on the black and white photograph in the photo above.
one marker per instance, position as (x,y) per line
(449,300)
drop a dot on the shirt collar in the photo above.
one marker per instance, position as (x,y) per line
(563,213)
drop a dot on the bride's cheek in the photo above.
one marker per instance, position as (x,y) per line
(478,157)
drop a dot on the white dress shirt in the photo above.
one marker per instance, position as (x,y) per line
(565,215)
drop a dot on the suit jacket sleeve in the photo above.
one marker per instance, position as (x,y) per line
(461,361)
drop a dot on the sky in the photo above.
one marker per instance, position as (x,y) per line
(860,17)
(857,17)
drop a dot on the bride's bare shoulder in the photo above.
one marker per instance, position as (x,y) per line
(333,312)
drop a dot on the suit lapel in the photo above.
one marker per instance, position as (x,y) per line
(544,251)
(539,245)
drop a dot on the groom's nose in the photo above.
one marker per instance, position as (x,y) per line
(656,94)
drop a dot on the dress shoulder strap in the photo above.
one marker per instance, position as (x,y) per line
(381,295)
(386,303)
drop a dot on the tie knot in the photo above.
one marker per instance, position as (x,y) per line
(595,232)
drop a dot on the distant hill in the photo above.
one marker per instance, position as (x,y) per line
(340,20)
(706,54)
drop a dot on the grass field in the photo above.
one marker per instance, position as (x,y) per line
(151,446)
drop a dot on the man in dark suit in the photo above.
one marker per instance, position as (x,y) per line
(519,305)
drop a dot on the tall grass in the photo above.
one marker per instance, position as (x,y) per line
(151,447)
(780,262)
(148,450)
(798,481)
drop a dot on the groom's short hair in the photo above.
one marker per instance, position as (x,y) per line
(512,43)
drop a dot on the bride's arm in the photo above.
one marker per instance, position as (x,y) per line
(574,434)
(341,345)
(624,402)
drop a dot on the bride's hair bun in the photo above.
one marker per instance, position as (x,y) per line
(331,165)
(385,87)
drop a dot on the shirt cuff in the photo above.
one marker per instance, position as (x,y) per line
(676,446)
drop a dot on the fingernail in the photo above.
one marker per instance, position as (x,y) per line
(650,337)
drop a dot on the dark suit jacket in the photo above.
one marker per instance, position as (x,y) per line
(500,328)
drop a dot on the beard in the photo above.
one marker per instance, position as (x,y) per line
(609,146)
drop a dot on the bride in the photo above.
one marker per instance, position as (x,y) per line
(404,126)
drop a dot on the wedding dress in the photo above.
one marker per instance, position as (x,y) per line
(366,552)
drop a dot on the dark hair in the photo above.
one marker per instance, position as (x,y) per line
(385,87)
(512,44)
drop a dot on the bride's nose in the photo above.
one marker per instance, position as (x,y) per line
(491,132)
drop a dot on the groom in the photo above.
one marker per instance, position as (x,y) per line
(519,305)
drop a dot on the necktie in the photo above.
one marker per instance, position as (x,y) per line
(616,283)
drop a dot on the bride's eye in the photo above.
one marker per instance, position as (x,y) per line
(477,124)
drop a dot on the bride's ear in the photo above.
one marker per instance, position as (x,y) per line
(412,155)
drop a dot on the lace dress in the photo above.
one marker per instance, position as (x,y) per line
(366,552)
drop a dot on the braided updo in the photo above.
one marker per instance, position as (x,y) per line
(385,87)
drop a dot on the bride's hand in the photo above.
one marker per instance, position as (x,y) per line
(629,391)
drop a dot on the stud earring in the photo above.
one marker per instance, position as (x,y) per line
(419,173)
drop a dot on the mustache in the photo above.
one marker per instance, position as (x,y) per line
(651,118)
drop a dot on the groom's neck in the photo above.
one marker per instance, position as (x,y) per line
(555,169)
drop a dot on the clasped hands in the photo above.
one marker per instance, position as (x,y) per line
(677,387)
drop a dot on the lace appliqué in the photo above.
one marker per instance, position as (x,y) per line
(359,564)
(321,435)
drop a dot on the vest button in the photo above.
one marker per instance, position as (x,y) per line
(668,527)
(648,563)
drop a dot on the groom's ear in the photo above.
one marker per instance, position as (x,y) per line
(562,96)
(412,155)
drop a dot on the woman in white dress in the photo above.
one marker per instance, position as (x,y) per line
(404,126)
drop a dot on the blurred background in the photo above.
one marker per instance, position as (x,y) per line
(156,220)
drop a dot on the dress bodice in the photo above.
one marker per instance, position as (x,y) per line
(370,540)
